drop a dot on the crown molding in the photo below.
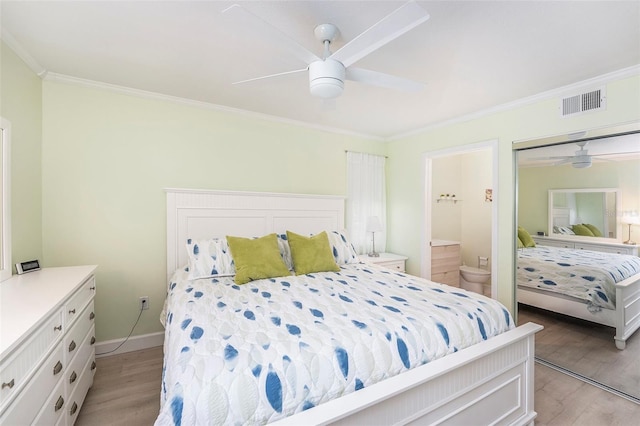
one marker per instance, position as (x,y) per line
(43,73)
(554,93)
(62,78)
(22,53)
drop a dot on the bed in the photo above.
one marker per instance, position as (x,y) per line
(361,344)
(595,286)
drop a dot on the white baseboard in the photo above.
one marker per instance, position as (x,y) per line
(134,343)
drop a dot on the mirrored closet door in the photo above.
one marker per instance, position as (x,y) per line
(581,196)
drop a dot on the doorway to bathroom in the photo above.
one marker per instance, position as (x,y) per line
(460,216)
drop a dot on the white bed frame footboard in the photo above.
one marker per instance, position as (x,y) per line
(488,383)
(625,319)
(491,383)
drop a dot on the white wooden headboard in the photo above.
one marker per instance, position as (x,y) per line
(197,214)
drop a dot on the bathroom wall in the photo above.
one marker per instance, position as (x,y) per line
(476,175)
(467,176)
(446,217)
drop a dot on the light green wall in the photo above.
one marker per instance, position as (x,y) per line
(91,189)
(106,158)
(405,169)
(534,183)
(21,104)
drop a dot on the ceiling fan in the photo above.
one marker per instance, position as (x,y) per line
(581,159)
(328,72)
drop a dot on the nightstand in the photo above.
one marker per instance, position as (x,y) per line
(387,260)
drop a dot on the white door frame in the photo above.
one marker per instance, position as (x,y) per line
(428,200)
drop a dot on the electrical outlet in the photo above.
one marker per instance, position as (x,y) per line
(144,303)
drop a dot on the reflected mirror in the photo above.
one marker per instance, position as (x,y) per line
(583,212)
(556,190)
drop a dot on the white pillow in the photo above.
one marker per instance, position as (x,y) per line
(343,250)
(212,257)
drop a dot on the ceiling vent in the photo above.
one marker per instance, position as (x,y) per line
(583,102)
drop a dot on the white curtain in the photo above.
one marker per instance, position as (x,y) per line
(366,197)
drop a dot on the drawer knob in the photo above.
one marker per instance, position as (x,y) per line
(57,327)
(92,316)
(93,339)
(93,365)
(92,288)
(72,311)
(73,409)
(72,345)
(57,368)
(59,403)
(73,377)
(9,385)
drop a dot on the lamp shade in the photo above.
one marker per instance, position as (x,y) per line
(374,224)
(631,217)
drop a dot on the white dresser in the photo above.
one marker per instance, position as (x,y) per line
(592,244)
(47,345)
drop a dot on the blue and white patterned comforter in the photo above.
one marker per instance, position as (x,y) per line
(587,275)
(258,352)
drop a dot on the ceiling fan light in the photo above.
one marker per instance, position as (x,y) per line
(326,78)
(326,87)
(581,163)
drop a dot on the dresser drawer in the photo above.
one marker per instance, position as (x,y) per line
(37,391)
(79,300)
(396,265)
(54,408)
(15,371)
(73,339)
(593,247)
(78,395)
(85,352)
(445,252)
(451,278)
(448,265)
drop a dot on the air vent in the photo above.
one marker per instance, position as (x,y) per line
(583,102)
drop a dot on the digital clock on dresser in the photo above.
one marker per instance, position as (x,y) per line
(28,266)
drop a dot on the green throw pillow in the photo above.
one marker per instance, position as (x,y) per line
(311,254)
(525,237)
(520,245)
(257,258)
(595,231)
(580,229)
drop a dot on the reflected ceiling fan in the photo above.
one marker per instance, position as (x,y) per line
(328,72)
(581,159)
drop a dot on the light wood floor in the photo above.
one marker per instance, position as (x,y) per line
(587,349)
(126,391)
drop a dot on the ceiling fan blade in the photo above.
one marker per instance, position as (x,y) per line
(247,21)
(560,157)
(383,80)
(612,154)
(565,161)
(403,19)
(270,76)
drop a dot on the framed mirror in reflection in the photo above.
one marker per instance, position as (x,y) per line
(584,212)
(552,198)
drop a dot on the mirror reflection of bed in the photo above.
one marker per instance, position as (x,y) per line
(555,203)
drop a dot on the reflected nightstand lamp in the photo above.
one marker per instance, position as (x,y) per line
(630,218)
(373,226)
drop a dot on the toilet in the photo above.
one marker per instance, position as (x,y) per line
(473,279)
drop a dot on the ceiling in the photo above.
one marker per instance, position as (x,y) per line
(472,55)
